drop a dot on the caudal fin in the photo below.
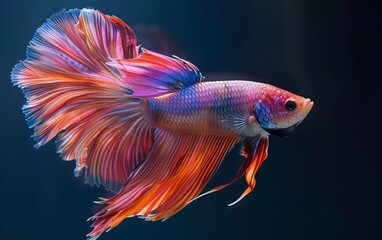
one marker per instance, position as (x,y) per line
(73,93)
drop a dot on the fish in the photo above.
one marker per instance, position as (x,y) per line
(148,127)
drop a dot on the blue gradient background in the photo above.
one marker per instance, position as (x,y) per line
(323,182)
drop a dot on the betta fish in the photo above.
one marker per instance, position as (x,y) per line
(146,126)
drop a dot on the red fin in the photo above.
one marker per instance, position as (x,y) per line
(176,171)
(255,151)
(72,91)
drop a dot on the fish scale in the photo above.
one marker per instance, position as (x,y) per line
(203,106)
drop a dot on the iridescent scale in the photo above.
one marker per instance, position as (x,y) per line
(203,106)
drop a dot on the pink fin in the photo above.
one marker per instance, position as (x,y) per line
(107,36)
(177,169)
(152,74)
(71,92)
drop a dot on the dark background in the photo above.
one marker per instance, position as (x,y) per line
(323,182)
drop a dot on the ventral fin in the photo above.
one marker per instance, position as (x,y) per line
(255,150)
(152,74)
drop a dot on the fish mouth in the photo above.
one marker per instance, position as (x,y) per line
(307,106)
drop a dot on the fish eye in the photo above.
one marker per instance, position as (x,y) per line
(290,105)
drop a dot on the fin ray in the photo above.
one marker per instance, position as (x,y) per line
(177,169)
(152,74)
(73,94)
(255,152)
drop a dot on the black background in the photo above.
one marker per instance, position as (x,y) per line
(323,182)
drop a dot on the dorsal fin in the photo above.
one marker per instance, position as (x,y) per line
(152,74)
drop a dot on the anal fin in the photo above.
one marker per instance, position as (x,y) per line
(176,170)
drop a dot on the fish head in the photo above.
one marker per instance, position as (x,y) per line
(278,111)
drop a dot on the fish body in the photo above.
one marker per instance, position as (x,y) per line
(221,107)
(203,106)
(148,127)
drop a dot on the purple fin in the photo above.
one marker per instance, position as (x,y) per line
(152,74)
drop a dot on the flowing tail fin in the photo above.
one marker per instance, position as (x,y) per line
(72,92)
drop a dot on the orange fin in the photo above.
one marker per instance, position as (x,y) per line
(176,170)
(255,151)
